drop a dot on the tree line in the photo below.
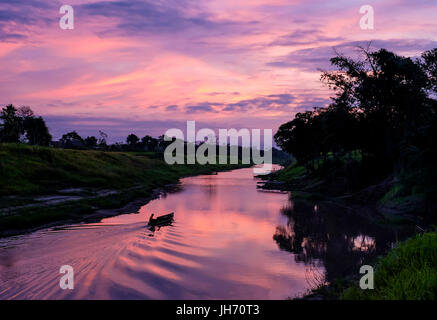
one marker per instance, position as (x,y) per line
(73,140)
(20,125)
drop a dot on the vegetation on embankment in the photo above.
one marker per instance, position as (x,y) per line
(398,197)
(28,171)
(407,272)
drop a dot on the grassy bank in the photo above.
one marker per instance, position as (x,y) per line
(349,180)
(27,173)
(408,272)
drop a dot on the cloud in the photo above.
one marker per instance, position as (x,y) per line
(20,19)
(268,102)
(152,17)
(304,37)
(202,107)
(314,59)
(172,108)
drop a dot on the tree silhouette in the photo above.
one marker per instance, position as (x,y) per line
(132,140)
(91,142)
(72,140)
(12,126)
(22,121)
(36,131)
(149,143)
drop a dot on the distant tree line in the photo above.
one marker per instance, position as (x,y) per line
(20,125)
(72,140)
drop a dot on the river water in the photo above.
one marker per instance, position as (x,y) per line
(229,240)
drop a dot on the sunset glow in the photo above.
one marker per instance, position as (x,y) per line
(146,66)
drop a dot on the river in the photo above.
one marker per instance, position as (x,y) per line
(229,240)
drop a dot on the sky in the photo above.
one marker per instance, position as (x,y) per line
(147,66)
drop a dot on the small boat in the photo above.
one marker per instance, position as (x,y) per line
(161,220)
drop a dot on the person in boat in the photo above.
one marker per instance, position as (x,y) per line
(151,218)
(165,219)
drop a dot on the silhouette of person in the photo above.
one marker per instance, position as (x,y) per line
(151,218)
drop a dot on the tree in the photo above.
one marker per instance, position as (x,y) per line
(429,65)
(36,131)
(149,143)
(91,142)
(72,140)
(12,127)
(103,140)
(132,140)
(25,112)
(298,137)
(389,91)
(22,121)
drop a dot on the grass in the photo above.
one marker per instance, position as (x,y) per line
(408,272)
(296,171)
(292,172)
(28,171)
(406,195)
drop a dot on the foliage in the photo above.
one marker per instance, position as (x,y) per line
(72,140)
(22,122)
(132,140)
(36,131)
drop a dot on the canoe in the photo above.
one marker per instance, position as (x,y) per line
(167,218)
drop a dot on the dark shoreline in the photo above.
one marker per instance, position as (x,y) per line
(366,208)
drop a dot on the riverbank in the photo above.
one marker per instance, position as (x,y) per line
(407,271)
(42,186)
(387,198)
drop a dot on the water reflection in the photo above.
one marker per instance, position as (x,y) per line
(334,237)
